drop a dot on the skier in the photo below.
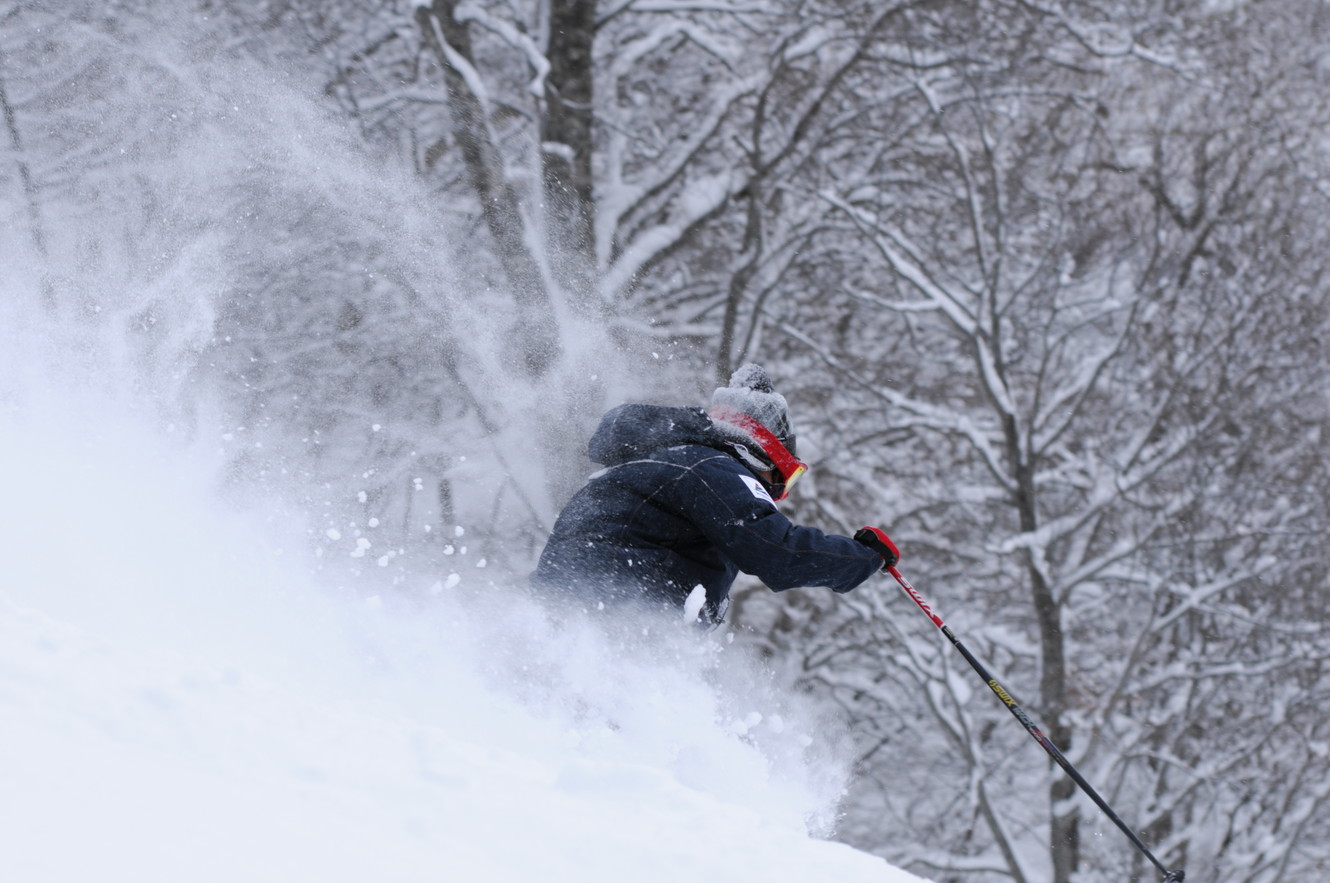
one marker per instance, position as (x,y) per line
(686,501)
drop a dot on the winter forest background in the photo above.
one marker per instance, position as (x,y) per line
(1044,283)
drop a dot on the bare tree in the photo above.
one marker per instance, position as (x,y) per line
(1077,316)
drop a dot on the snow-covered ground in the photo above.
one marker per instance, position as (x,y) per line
(186,697)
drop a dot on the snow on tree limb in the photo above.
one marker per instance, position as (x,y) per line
(471,11)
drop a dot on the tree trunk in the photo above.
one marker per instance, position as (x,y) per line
(536,331)
(739,279)
(29,195)
(1064,820)
(567,143)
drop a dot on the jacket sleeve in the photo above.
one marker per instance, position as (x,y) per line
(732,510)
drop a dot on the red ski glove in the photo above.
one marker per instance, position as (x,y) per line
(875,539)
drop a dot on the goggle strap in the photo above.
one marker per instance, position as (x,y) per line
(785,462)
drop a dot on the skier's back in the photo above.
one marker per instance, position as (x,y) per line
(687,499)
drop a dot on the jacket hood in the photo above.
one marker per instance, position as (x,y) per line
(632,431)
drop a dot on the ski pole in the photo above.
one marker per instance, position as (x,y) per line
(875,538)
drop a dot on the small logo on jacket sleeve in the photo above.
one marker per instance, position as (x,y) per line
(756,487)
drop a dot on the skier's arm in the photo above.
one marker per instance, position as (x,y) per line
(732,511)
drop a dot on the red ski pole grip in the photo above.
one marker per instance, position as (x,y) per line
(877,540)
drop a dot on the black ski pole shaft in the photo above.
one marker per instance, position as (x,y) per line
(1020,715)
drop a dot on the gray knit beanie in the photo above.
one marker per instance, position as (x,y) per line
(750,392)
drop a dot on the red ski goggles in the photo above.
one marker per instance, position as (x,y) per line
(787,467)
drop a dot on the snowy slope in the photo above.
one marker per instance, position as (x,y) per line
(181,700)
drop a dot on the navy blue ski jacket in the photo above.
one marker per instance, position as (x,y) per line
(674,509)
